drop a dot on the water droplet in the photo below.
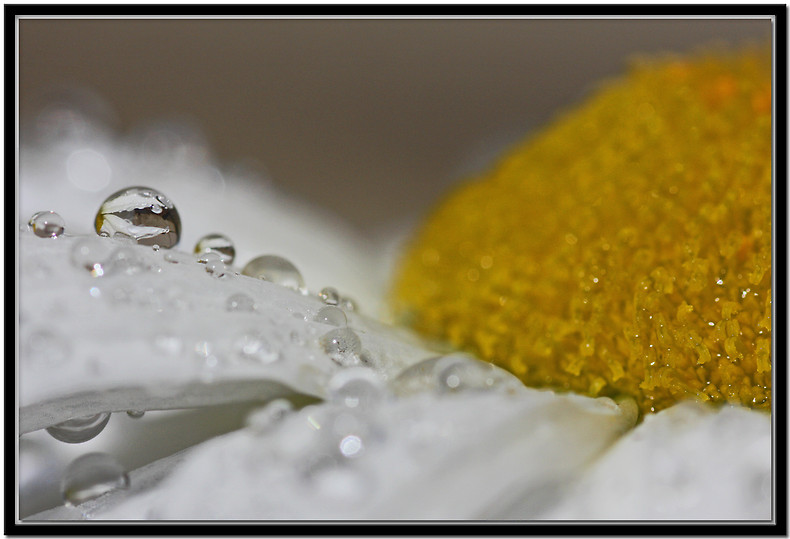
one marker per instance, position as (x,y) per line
(348,304)
(342,345)
(124,260)
(331,316)
(177,257)
(155,247)
(47,224)
(168,344)
(264,419)
(329,296)
(217,244)
(81,429)
(250,346)
(357,388)
(275,269)
(90,476)
(240,303)
(141,213)
(91,254)
(297,338)
(216,268)
(460,372)
(135,414)
(351,446)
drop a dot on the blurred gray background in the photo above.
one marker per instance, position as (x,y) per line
(372,119)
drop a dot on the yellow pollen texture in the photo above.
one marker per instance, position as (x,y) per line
(625,249)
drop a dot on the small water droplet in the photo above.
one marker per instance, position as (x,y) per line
(460,372)
(348,304)
(91,476)
(47,224)
(91,254)
(240,303)
(217,244)
(216,268)
(266,418)
(351,446)
(135,414)
(155,247)
(329,296)
(168,344)
(331,316)
(141,213)
(251,346)
(356,387)
(275,269)
(124,260)
(177,257)
(81,429)
(297,338)
(342,346)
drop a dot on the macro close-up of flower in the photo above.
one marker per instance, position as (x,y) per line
(394,270)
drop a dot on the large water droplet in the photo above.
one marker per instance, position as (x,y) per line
(329,296)
(47,224)
(240,303)
(357,388)
(217,244)
(90,476)
(91,254)
(342,345)
(265,419)
(141,213)
(275,269)
(81,429)
(331,316)
(135,414)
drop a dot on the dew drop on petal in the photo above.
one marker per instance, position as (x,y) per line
(240,303)
(275,269)
(264,419)
(351,446)
(124,260)
(459,372)
(170,345)
(91,254)
(251,347)
(216,268)
(342,346)
(217,244)
(329,296)
(348,304)
(91,476)
(141,213)
(331,316)
(357,388)
(81,429)
(47,224)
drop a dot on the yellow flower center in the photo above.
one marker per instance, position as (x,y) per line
(623,250)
